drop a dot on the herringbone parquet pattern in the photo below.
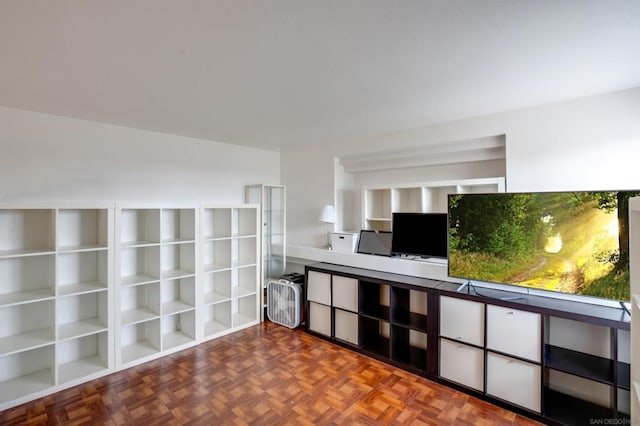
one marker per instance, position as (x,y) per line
(264,375)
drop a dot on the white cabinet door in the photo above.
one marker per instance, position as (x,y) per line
(346,326)
(514,332)
(462,364)
(462,320)
(319,287)
(320,319)
(514,381)
(345,293)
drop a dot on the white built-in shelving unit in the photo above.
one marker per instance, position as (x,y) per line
(55,299)
(379,202)
(231,268)
(156,275)
(634,273)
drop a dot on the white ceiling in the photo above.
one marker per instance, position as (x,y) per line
(271,73)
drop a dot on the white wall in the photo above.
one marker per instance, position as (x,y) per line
(310,185)
(588,143)
(45,157)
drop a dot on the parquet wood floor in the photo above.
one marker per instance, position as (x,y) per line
(264,375)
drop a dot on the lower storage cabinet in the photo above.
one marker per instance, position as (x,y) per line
(563,362)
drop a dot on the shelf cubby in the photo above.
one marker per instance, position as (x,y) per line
(579,364)
(140,340)
(178,330)
(275,219)
(82,229)
(592,374)
(273,243)
(567,409)
(82,357)
(407,200)
(244,251)
(244,310)
(217,255)
(437,197)
(217,286)
(274,197)
(378,224)
(82,272)
(244,222)
(409,347)
(374,336)
(27,326)
(273,266)
(217,318)
(476,189)
(26,279)
(624,376)
(139,227)
(139,303)
(245,281)
(140,265)
(178,260)
(26,373)
(82,315)
(178,295)
(216,223)
(374,300)
(378,203)
(178,225)
(409,308)
(26,232)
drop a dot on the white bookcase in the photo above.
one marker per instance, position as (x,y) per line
(86,290)
(156,280)
(231,264)
(379,202)
(634,274)
(55,298)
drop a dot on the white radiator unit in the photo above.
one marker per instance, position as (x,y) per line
(284,303)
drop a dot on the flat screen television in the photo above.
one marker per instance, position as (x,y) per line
(375,242)
(570,242)
(419,234)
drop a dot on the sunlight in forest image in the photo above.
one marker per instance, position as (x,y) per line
(613,228)
(554,244)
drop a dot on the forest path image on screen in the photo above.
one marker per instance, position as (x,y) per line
(568,242)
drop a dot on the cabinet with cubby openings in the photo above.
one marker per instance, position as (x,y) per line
(55,300)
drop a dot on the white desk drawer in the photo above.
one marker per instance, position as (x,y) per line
(514,332)
(319,287)
(514,381)
(462,364)
(345,293)
(462,320)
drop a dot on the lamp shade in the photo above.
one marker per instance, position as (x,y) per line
(328,214)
